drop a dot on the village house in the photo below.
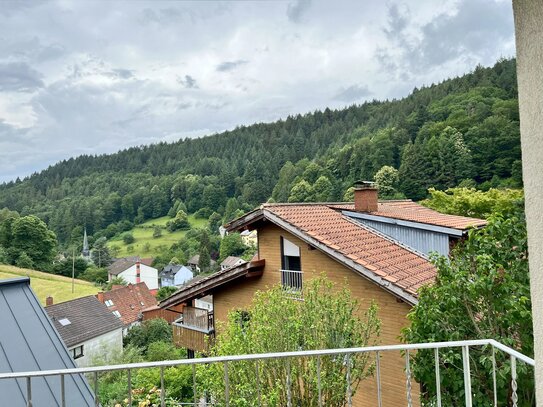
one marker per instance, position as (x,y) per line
(87,328)
(127,303)
(194,263)
(379,248)
(175,275)
(248,237)
(231,261)
(134,270)
(30,342)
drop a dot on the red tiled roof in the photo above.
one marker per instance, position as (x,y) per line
(129,301)
(380,255)
(414,212)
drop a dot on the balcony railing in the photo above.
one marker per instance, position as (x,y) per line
(292,280)
(197,319)
(407,350)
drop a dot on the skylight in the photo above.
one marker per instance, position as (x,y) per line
(117,314)
(109,303)
(64,321)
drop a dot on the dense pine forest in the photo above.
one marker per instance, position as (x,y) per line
(463,131)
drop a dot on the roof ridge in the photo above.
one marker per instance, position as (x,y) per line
(390,239)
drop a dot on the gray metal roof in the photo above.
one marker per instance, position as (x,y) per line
(82,319)
(29,342)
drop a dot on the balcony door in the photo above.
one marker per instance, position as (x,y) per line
(291,265)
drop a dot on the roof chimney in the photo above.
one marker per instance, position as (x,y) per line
(100,297)
(48,301)
(365,197)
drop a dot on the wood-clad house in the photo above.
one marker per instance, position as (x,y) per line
(379,248)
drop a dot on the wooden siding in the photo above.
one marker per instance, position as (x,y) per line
(191,339)
(392,312)
(166,314)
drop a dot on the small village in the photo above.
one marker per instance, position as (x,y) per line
(271,204)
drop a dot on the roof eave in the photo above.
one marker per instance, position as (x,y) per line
(244,221)
(204,286)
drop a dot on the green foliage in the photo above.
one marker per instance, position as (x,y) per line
(231,245)
(180,222)
(24,261)
(64,267)
(481,292)
(153,330)
(113,388)
(95,275)
(302,192)
(100,253)
(157,232)
(29,236)
(165,292)
(473,203)
(118,280)
(326,319)
(161,350)
(387,181)
(205,260)
(214,222)
(3,255)
(128,238)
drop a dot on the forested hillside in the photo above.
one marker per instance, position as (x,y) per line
(461,131)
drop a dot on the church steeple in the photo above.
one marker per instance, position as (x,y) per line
(85,252)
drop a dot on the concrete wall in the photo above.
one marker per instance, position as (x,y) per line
(392,312)
(529,39)
(111,342)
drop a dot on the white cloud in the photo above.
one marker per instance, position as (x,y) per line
(87,77)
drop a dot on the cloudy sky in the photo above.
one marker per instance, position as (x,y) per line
(88,77)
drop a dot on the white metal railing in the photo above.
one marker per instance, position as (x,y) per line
(292,280)
(465,346)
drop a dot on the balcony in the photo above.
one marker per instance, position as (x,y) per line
(292,281)
(515,362)
(194,329)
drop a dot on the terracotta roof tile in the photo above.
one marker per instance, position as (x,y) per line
(383,256)
(129,301)
(414,212)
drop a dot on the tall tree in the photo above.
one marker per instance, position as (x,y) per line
(481,292)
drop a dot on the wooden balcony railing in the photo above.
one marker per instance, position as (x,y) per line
(194,329)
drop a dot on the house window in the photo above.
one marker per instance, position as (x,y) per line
(291,265)
(117,314)
(77,352)
(109,303)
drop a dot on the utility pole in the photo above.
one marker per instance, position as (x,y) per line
(73,268)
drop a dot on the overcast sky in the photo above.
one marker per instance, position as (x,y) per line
(88,77)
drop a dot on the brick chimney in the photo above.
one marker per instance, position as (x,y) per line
(100,297)
(138,279)
(48,301)
(365,197)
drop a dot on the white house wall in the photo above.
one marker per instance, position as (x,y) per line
(183,275)
(148,275)
(111,342)
(423,241)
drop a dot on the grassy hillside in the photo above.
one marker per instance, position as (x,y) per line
(45,284)
(146,245)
